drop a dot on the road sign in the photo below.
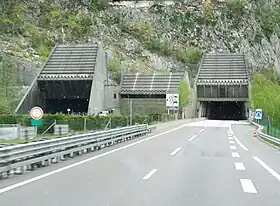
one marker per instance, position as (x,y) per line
(36,122)
(36,113)
(258,114)
(172,100)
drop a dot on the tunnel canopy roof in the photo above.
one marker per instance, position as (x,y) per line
(223,68)
(70,62)
(151,83)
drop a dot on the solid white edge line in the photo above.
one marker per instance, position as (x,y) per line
(248,186)
(235,154)
(232,147)
(150,174)
(175,151)
(239,166)
(194,136)
(265,166)
(240,144)
(28,181)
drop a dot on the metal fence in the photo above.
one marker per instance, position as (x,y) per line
(268,127)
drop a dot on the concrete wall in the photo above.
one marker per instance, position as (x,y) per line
(142,105)
(32,97)
(97,101)
(112,98)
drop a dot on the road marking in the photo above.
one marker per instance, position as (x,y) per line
(248,186)
(230,138)
(232,147)
(240,144)
(28,181)
(147,176)
(265,166)
(239,166)
(194,136)
(201,130)
(235,154)
(231,142)
(175,151)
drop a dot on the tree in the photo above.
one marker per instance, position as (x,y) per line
(184,93)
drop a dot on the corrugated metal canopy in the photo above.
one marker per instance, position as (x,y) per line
(223,68)
(71,61)
(150,83)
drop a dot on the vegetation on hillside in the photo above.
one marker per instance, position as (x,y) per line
(157,38)
(265,94)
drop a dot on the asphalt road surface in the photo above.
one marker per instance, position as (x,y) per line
(207,163)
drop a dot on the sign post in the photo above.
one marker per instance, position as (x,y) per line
(36,114)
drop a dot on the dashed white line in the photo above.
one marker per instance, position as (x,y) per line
(232,147)
(34,179)
(230,138)
(231,142)
(194,136)
(235,154)
(201,130)
(265,166)
(150,174)
(248,186)
(239,166)
(175,151)
(240,144)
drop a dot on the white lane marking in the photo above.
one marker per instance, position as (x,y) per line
(194,136)
(147,176)
(240,144)
(232,147)
(265,166)
(230,135)
(231,142)
(248,186)
(201,130)
(28,181)
(235,154)
(230,138)
(175,151)
(239,166)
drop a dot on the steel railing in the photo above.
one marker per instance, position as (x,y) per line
(264,137)
(22,156)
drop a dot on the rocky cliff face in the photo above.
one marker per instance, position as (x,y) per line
(143,38)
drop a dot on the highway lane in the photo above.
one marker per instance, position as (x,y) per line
(200,164)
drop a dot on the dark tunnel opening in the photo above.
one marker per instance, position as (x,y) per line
(226,110)
(59,96)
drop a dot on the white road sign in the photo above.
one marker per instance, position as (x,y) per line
(36,113)
(172,100)
(258,114)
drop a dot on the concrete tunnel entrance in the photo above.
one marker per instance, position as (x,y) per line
(227,110)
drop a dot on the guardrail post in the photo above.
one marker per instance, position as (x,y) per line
(60,131)
(26,135)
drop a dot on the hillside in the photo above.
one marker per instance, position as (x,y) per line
(140,39)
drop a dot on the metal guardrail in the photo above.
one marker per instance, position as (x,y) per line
(22,157)
(265,137)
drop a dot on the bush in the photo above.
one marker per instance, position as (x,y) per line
(79,122)
(265,95)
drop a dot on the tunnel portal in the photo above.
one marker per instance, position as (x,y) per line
(226,110)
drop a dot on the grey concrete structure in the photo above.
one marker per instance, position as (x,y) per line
(221,77)
(146,92)
(73,77)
